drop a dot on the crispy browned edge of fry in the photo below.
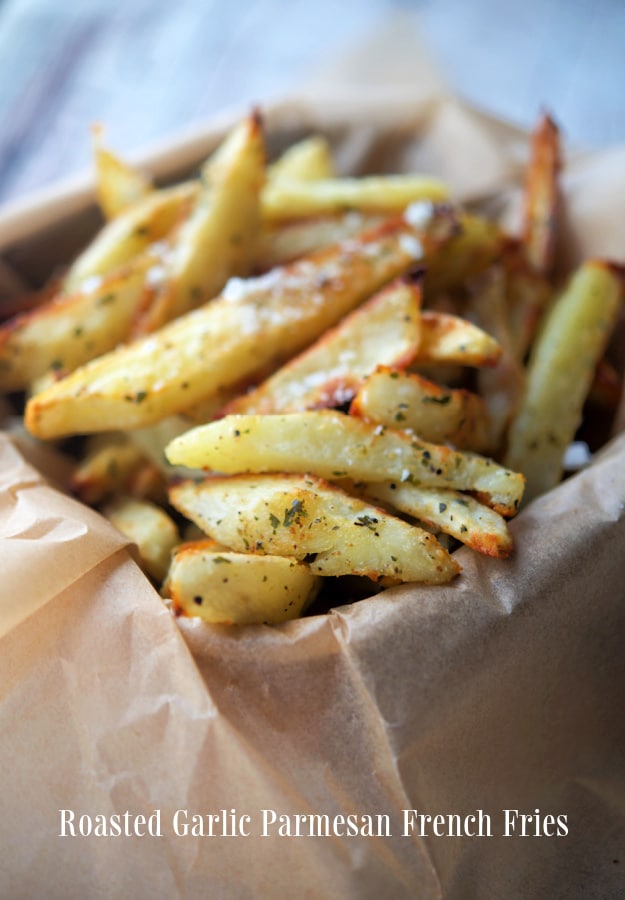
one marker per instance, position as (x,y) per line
(541,195)
(342,389)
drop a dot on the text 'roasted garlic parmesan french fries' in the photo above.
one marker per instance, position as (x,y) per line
(346,359)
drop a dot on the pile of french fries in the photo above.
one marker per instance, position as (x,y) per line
(283,376)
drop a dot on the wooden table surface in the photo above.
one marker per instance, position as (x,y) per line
(150,68)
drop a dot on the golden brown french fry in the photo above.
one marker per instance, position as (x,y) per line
(541,196)
(284,199)
(569,345)
(221,586)
(384,330)
(333,445)
(282,242)
(453,513)
(527,296)
(439,415)
(308,160)
(219,238)
(118,185)
(70,330)
(254,323)
(299,515)
(478,244)
(150,528)
(108,469)
(501,386)
(130,234)
(447,339)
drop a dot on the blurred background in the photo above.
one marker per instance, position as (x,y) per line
(151,68)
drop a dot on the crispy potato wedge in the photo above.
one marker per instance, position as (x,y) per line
(528,294)
(150,528)
(224,587)
(282,242)
(112,467)
(541,196)
(477,245)
(219,238)
(118,185)
(501,386)
(70,330)
(293,199)
(439,415)
(130,234)
(447,339)
(298,515)
(307,160)
(333,445)
(254,323)
(455,514)
(569,345)
(384,330)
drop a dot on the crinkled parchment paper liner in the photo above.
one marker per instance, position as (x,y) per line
(501,691)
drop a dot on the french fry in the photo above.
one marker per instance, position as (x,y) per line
(219,238)
(541,196)
(453,513)
(300,515)
(118,185)
(70,330)
(501,386)
(110,468)
(527,295)
(477,245)
(130,234)
(385,329)
(283,242)
(439,415)
(333,445)
(254,323)
(284,199)
(224,587)
(561,369)
(447,339)
(150,528)
(307,160)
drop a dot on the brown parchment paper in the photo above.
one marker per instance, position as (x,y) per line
(501,691)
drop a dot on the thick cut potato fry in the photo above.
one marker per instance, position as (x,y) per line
(527,296)
(284,199)
(447,339)
(501,386)
(70,330)
(297,515)
(130,234)
(561,369)
(333,445)
(541,196)
(118,185)
(439,415)
(476,247)
(115,467)
(150,528)
(219,239)
(453,513)
(254,323)
(308,160)
(224,587)
(282,242)
(384,330)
